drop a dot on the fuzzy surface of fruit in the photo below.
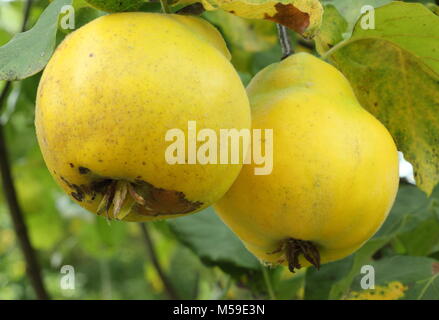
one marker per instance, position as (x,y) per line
(335,170)
(109,95)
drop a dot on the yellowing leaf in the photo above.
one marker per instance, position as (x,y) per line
(302,16)
(332,29)
(393,291)
(394,70)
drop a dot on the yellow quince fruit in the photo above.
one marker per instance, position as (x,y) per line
(335,169)
(110,94)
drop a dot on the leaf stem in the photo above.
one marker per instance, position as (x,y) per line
(26,14)
(268,284)
(32,266)
(338,46)
(424,289)
(165,6)
(155,261)
(284,41)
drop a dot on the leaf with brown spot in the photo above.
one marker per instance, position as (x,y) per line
(291,17)
(435,268)
(302,16)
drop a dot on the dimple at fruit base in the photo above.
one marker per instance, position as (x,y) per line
(335,170)
(109,95)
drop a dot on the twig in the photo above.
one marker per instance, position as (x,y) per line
(26,14)
(155,261)
(284,40)
(32,266)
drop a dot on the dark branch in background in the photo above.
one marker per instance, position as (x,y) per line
(153,256)
(307,44)
(194,9)
(32,267)
(284,41)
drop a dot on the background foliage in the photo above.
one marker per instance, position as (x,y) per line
(201,257)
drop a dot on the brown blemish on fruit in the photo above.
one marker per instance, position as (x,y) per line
(148,199)
(162,202)
(83,170)
(78,192)
(66,182)
(77,196)
(71,165)
(291,17)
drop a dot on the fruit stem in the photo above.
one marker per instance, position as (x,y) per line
(284,41)
(267,281)
(165,6)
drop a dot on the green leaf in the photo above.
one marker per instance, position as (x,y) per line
(320,282)
(212,241)
(102,238)
(333,281)
(4,37)
(116,5)
(246,40)
(85,15)
(408,211)
(334,26)
(286,285)
(28,52)
(360,258)
(423,237)
(185,272)
(247,35)
(394,72)
(351,10)
(412,27)
(339,19)
(422,240)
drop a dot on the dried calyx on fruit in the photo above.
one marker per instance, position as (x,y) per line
(108,99)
